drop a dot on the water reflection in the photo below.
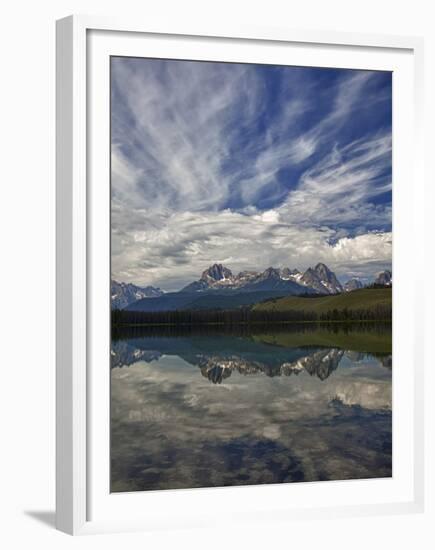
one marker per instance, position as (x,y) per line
(223,408)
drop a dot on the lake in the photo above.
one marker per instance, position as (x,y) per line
(215,407)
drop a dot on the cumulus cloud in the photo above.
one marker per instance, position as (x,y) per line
(177,247)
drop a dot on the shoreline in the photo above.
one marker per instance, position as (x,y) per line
(332,322)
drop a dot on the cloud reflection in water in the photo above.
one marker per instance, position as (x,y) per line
(215,411)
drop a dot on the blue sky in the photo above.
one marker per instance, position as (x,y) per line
(248,165)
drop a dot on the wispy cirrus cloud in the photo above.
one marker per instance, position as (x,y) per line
(176,127)
(341,188)
(249,165)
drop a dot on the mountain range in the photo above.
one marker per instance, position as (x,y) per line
(219,287)
(124,294)
(317,280)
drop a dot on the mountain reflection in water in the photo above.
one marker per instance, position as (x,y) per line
(217,408)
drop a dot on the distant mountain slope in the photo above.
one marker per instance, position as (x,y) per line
(169,301)
(384,278)
(271,283)
(219,288)
(315,280)
(124,294)
(359,299)
(210,300)
(352,284)
(234,300)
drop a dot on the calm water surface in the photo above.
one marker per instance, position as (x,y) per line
(215,408)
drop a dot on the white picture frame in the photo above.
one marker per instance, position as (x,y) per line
(82,503)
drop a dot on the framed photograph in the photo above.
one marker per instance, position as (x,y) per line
(237,213)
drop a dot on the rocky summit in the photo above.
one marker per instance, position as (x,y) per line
(322,279)
(317,280)
(124,294)
(218,285)
(217,272)
(384,278)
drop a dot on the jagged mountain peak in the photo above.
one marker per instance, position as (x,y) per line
(124,294)
(217,283)
(322,268)
(319,279)
(217,272)
(384,278)
(271,272)
(322,279)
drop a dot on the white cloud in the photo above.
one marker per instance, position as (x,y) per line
(185,147)
(183,122)
(342,185)
(174,248)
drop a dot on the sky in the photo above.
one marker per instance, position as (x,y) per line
(251,166)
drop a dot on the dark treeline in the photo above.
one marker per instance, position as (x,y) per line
(208,316)
(125,331)
(245,316)
(377,313)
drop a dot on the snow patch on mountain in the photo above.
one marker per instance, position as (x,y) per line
(124,294)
